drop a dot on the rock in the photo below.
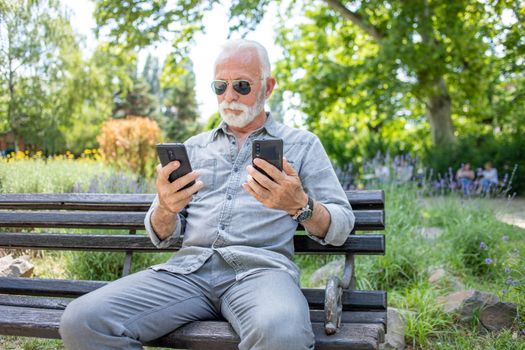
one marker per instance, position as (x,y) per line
(466,303)
(430,233)
(499,316)
(437,275)
(396,325)
(441,277)
(320,276)
(19,267)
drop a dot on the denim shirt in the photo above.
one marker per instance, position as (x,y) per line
(222,217)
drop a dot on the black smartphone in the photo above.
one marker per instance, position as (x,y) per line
(271,150)
(168,152)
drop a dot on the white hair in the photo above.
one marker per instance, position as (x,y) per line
(236,45)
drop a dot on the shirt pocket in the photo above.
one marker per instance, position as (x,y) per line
(207,171)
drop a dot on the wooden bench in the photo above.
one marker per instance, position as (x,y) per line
(33,306)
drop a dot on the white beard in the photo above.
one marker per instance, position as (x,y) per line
(248,112)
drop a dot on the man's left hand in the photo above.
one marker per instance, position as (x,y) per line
(284,192)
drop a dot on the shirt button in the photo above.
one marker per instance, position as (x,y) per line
(229,197)
(235,169)
(233,142)
(223,227)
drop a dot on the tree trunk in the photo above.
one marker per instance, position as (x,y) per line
(438,107)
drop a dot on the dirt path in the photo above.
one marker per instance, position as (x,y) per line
(511,212)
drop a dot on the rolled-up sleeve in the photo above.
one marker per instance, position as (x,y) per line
(175,235)
(321,183)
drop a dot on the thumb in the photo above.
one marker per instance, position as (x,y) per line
(288,169)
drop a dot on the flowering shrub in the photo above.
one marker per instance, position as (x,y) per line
(129,144)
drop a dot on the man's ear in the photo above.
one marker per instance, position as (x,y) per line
(270,84)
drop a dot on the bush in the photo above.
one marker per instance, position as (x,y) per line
(129,144)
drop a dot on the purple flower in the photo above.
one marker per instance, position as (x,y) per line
(483,246)
(523,331)
(507,270)
(488,261)
(509,280)
(505,238)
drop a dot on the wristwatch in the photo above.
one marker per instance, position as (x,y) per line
(305,213)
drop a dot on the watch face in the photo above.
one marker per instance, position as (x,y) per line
(305,215)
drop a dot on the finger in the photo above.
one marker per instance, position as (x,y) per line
(288,168)
(261,178)
(248,189)
(184,180)
(257,188)
(165,171)
(270,169)
(190,191)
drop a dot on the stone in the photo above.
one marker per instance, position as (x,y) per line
(430,233)
(466,303)
(437,275)
(396,325)
(499,316)
(321,275)
(19,267)
(441,277)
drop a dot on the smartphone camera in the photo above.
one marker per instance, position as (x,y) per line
(257,149)
(171,155)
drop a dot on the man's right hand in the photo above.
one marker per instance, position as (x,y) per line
(171,197)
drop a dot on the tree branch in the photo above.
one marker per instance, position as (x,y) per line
(355,18)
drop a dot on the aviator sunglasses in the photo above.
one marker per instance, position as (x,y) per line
(243,87)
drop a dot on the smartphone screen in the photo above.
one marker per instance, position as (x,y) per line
(168,152)
(271,150)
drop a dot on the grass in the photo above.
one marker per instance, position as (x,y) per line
(471,234)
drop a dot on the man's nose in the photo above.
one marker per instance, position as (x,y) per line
(230,94)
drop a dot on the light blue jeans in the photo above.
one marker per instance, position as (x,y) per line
(267,309)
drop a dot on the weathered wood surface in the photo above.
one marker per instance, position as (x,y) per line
(352,300)
(44,323)
(365,220)
(378,317)
(356,244)
(364,199)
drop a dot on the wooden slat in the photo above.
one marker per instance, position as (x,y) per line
(365,220)
(357,244)
(44,323)
(366,199)
(352,300)
(362,199)
(378,317)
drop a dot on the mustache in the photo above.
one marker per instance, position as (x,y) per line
(233,105)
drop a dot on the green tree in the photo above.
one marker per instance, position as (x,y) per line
(36,41)
(179,101)
(431,63)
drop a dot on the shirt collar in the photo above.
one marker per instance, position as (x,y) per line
(269,125)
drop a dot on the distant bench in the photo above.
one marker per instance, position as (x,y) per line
(32,306)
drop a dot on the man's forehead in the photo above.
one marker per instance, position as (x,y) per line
(241,62)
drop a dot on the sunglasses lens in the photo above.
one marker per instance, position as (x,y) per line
(242,87)
(219,87)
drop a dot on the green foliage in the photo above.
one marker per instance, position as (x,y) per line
(214,121)
(62,175)
(51,96)
(179,101)
(107,266)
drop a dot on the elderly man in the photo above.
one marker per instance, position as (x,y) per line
(237,226)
